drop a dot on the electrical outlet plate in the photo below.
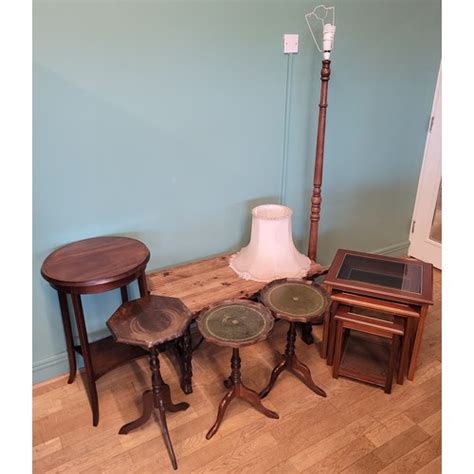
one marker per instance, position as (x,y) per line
(290,44)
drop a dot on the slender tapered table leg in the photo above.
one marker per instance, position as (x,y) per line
(329,315)
(147,410)
(405,351)
(142,285)
(417,343)
(229,396)
(331,339)
(166,436)
(303,373)
(124,293)
(90,377)
(159,404)
(273,377)
(68,335)
(392,363)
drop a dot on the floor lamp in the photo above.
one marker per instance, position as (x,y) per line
(322,25)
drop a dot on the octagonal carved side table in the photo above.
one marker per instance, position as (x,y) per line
(148,322)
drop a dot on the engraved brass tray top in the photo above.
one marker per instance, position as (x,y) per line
(295,300)
(235,323)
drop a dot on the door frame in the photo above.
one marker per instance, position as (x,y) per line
(421,246)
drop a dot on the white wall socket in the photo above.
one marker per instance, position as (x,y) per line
(290,43)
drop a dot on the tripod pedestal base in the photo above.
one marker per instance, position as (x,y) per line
(238,390)
(292,363)
(158,398)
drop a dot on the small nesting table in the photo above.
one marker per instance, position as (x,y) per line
(93,266)
(296,301)
(236,323)
(388,329)
(399,287)
(147,323)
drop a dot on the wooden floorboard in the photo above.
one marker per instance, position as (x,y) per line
(356,429)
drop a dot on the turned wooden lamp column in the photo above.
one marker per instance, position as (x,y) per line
(322,26)
(318,163)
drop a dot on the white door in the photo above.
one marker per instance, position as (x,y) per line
(425,234)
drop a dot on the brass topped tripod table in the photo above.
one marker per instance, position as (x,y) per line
(148,322)
(296,301)
(236,323)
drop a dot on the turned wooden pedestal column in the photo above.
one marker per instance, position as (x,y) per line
(158,398)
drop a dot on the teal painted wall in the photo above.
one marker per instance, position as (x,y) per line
(169,121)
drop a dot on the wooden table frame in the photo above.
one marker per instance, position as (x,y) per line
(104,355)
(348,320)
(408,315)
(391,301)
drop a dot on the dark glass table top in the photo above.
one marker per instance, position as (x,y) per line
(397,275)
(379,275)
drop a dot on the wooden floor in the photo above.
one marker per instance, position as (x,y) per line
(357,428)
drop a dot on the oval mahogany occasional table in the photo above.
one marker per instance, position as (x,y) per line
(93,266)
(297,301)
(236,323)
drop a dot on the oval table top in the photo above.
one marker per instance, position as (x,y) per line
(235,323)
(295,300)
(94,262)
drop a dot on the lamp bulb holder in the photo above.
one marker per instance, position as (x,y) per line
(328,39)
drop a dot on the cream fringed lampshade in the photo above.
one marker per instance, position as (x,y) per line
(271,253)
